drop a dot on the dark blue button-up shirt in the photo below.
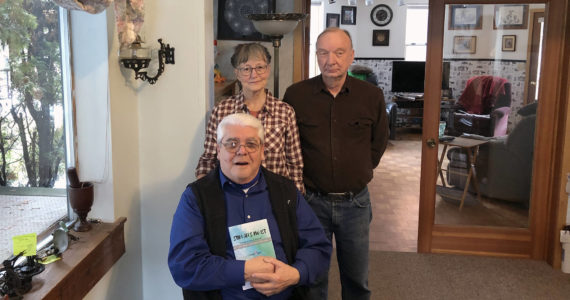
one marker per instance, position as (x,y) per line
(194,267)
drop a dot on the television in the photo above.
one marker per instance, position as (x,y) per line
(408,76)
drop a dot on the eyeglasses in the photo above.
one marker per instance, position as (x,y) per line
(246,71)
(233,146)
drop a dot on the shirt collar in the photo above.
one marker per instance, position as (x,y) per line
(320,86)
(225,181)
(270,103)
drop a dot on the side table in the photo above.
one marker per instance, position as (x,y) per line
(471,146)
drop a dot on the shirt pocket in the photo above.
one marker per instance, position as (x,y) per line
(360,124)
(275,136)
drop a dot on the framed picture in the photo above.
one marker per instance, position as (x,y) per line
(464,44)
(380,37)
(233,23)
(333,20)
(509,43)
(348,15)
(465,17)
(511,16)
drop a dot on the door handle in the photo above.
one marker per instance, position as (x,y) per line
(431,143)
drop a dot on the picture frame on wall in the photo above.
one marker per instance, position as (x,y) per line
(509,43)
(464,44)
(333,20)
(511,16)
(380,37)
(465,17)
(348,15)
(233,23)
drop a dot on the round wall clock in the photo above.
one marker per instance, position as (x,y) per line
(381,15)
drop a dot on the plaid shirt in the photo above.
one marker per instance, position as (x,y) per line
(282,146)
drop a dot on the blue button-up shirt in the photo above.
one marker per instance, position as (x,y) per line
(194,267)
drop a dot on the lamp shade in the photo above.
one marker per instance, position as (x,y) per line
(275,24)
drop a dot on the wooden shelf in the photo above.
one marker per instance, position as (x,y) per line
(82,265)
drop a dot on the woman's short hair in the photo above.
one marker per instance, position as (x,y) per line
(240,119)
(243,52)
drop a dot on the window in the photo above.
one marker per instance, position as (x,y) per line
(416,33)
(317,22)
(34,98)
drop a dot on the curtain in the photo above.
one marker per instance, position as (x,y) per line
(129,15)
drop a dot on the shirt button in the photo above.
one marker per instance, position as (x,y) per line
(248,216)
(246,195)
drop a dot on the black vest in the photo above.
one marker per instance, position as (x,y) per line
(211,200)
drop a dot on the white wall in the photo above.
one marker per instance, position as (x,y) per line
(362,32)
(155,138)
(489,40)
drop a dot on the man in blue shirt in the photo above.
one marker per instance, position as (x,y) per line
(201,257)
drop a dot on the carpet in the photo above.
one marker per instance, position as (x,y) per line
(397,275)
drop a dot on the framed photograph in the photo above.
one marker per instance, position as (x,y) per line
(511,16)
(509,43)
(348,15)
(333,20)
(464,44)
(233,23)
(465,17)
(380,37)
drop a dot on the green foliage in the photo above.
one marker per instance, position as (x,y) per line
(30,30)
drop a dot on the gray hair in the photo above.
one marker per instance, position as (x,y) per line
(335,29)
(240,119)
(243,52)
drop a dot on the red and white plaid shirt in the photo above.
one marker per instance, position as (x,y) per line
(282,146)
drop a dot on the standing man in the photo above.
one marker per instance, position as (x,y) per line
(344,131)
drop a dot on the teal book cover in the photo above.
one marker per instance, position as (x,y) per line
(251,239)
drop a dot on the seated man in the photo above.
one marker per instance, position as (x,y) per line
(201,256)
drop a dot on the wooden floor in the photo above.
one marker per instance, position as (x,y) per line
(394,193)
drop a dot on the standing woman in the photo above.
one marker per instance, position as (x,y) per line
(282,146)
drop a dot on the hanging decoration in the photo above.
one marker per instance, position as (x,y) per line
(129,15)
(90,6)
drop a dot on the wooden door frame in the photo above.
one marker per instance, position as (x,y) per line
(532,13)
(540,240)
(301,42)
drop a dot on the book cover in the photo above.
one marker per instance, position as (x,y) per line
(250,240)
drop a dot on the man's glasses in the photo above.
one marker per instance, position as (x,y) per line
(233,146)
(246,71)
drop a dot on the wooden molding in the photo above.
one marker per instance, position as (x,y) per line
(82,265)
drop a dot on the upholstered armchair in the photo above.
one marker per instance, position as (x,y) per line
(484,107)
(504,164)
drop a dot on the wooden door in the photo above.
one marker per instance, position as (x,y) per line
(538,240)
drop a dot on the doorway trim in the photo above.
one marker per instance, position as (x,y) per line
(534,241)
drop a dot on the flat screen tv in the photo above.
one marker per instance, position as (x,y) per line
(408,76)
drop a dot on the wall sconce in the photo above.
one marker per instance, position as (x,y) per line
(136,57)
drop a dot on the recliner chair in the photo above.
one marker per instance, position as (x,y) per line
(484,107)
(504,164)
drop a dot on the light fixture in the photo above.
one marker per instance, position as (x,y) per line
(275,26)
(136,57)
(368,2)
(352,2)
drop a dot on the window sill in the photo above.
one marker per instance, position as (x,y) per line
(83,264)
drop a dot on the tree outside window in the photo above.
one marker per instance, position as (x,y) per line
(32,143)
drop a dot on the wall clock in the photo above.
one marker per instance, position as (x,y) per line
(381,15)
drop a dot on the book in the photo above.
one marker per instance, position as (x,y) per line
(250,240)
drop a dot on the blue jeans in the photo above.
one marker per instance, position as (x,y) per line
(348,218)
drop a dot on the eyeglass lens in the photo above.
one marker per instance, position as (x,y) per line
(234,145)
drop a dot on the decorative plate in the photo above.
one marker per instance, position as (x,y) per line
(381,15)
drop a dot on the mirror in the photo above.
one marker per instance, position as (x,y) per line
(492,55)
